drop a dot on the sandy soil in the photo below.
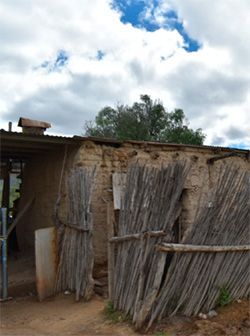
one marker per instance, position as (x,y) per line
(63,316)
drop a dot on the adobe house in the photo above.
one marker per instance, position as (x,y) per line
(43,163)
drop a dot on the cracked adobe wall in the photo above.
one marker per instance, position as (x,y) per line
(201,178)
(43,173)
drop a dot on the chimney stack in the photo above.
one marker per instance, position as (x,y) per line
(33,126)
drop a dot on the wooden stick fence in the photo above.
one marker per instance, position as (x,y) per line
(149,211)
(193,280)
(149,285)
(75,237)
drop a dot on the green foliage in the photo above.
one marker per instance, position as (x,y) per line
(114,316)
(14,184)
(224,297)
(163,333)
(160,333)
(145,120)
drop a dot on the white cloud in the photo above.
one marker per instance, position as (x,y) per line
(211,85)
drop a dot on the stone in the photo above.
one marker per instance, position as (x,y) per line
(202,316)
(67,292)
(212,313)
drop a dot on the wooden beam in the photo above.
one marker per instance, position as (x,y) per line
(75,227)
(165,247)
(221,157)
(20,215)
(137,236)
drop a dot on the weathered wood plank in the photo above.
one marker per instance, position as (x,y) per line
(118,181)
(20,215)
(137,236)
(165,247)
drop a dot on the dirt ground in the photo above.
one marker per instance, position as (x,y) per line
(57,316)
(25,316)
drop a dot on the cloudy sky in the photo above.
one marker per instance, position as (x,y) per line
(61,61)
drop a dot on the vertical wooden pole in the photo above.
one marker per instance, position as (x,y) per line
(144,245)
(111,251)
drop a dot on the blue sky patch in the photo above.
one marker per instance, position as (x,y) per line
(58,63)
(239,146)
(132,11)
(100,55)
(61,59)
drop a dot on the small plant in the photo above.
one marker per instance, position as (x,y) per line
(160,333)
(224,297)
(114,316)
(109,309)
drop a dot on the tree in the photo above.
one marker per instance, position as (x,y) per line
(145,120)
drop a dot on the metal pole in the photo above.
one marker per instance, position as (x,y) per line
(4,255)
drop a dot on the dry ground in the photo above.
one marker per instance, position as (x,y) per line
(63,316)
(58,316)
(25,316)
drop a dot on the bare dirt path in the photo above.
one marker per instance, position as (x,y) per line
(58,316)
(25,316)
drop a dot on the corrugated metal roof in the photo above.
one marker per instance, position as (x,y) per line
(77,140)
(24,145)
(35,136)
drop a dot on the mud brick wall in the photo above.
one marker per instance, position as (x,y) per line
(108,159)
(42,180)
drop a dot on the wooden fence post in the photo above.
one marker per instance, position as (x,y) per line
(111,251)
